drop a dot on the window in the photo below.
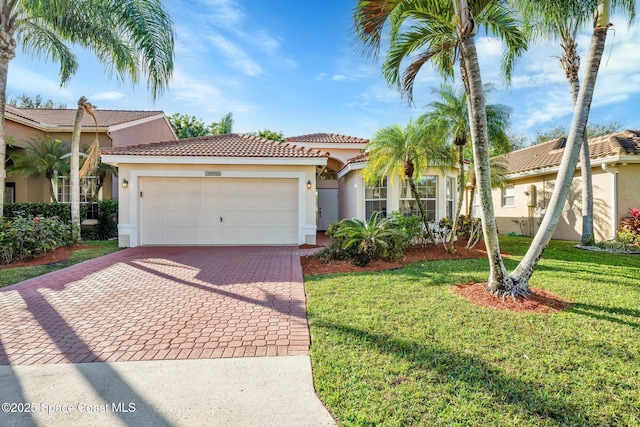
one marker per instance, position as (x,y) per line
(451,194)
(88,189)
(427,190)
(508,195)
(375,198)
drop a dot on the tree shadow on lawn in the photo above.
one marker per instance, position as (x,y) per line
(598,312)
(449,366)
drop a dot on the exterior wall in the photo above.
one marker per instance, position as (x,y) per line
(352,200)
(143,133)
(350,194)
(525,220)
(128,233)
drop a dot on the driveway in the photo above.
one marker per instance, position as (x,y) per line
(159,303)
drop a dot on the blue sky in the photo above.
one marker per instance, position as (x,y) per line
(296,69)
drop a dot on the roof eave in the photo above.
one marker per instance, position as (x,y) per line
(626,158)
(117,159)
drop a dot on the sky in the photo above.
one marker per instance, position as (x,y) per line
(298,70)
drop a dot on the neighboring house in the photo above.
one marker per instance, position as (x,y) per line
(615,163)
(115,128)
(342,192)
(217,190)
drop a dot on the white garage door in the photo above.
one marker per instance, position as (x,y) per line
(218,211)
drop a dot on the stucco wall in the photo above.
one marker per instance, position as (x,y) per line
(524,219)
(152,131)
(128,217)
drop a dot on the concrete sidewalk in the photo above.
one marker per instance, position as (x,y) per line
(249,391)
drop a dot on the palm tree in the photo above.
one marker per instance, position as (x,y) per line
(450,117)
(577,131)
(224,126)
(129,37)
(42,157)
(551,21)
(446,30)
(406,152)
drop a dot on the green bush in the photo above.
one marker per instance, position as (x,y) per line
(26,237)
(107,226)
(360,241)
(62,211)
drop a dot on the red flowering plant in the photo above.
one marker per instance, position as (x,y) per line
(631,223)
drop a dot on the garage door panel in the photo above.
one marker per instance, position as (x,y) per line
(188,211)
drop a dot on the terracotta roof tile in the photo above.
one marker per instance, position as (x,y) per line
(360,158)
(67,117)
(327,138)
(549,154)
(229,145)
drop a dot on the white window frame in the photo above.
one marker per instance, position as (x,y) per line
(451,197)
(381,190)
(425,197)
(63,189)
(509,196)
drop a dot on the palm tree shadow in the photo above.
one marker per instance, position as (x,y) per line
(76,350)
(607,313)
(450,366)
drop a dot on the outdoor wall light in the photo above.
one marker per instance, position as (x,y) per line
(125,183)
(309,184)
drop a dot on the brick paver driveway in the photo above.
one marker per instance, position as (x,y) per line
(151,303)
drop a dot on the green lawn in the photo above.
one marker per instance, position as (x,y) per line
(15,275)
(400,348)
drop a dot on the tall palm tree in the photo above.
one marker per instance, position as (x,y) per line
(577,132)
(129,37)
(405,152)
(42,157)
(450,117)
(561,22)
(446,30)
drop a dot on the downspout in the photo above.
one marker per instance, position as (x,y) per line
(614,197)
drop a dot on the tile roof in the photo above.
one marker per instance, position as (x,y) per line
(360,158)
(327,138)
(67,117)
(549,154)
(229,145)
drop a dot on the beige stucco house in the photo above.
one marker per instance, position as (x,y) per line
(115,128)
(342,192)
(217,190)
(615,163)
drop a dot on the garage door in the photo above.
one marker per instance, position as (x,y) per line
(218,211)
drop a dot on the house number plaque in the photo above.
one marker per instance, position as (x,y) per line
(212,173)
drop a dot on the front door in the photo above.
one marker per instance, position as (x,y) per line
(327,207)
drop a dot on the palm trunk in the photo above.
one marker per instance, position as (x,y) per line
(572,149)
(461,187)
(4,69)
(74,178)
(570,62)
(472,195)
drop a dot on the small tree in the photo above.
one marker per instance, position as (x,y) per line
(42,157)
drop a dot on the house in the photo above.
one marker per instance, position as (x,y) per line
(115,128)
(342,192)
(243,190)
(615,168)
(223,189)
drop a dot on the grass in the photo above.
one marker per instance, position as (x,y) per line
(400,348)
(14,275)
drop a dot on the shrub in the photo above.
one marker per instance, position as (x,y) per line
(26,237)
(631,224)
(107,226)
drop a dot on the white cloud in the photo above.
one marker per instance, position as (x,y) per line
(223,13)
(238,57)
(339,77)
(109,96)
(24,80)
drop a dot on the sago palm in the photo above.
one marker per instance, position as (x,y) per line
(131,38)
(370,237)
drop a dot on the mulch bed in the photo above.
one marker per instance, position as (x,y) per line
(56,255)
(540,301)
